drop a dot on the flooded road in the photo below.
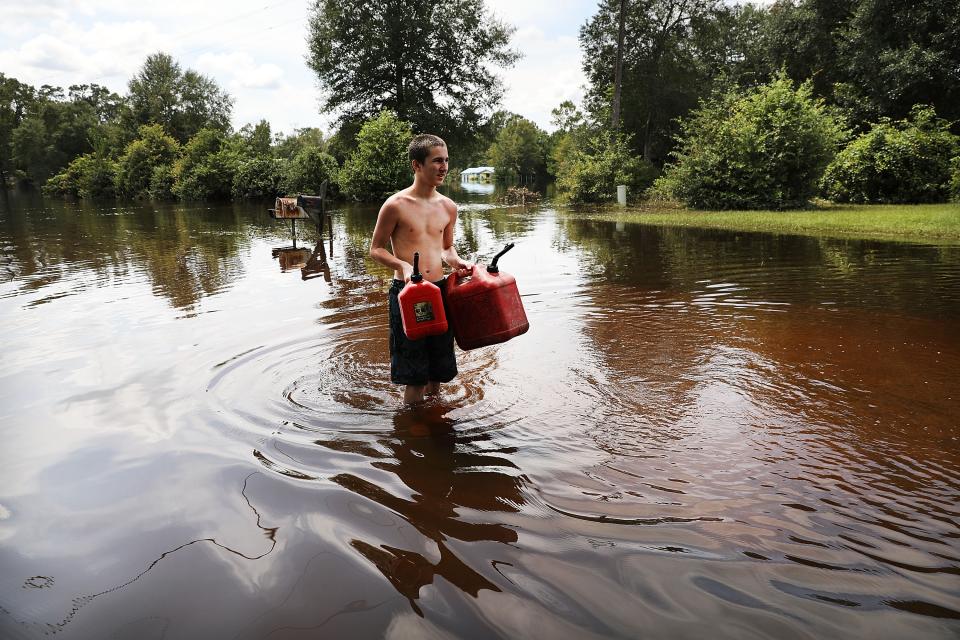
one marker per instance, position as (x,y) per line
(703,434)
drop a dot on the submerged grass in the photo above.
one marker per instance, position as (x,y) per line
(928,223)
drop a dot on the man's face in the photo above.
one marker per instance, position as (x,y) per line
(435,167)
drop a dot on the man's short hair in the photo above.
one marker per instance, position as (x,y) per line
(420,146)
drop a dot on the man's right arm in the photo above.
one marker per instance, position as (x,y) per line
(386,224)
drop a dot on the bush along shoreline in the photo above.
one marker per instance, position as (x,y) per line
(773,147)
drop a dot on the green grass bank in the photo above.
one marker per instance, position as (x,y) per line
(926,223)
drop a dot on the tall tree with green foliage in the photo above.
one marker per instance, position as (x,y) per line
(899,54)
(182,101)
(16,99)
(663,76)
(804,37)
(430,63)
(874,58)
(256,139)
(287,146)
(54,132)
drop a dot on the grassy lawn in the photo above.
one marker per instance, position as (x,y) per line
(930,223)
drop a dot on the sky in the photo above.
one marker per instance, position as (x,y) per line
(256,50)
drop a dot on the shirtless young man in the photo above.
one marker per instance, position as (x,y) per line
(418,219)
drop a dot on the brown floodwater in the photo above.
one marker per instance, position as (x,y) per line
(703,434)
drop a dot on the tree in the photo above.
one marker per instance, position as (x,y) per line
(591,170)
(92,175)
(307,171)
(618,66)
(765,149)
(183,102)
(378,166)
(260,177)
(256,139)
(571,132)
(16,98)
(907,161)
(135,169)
(105,103)
(898,54)
(427,62)
(804,37)
(304,138)
(518,151)
(661,77)
(206,168)
(52,134)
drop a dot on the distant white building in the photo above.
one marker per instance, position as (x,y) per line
(474,174)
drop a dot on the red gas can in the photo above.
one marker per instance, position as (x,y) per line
(421,306)
(485,308)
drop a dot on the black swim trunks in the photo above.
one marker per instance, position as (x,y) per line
(417,362)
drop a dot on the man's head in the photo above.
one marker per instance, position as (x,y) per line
(428,156)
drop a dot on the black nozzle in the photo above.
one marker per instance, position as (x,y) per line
(416,276)
(493,268)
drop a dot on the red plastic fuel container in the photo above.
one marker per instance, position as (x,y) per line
(421,306)
(485,308)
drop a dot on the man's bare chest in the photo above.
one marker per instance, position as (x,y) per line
(424,223)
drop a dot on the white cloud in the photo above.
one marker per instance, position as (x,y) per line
(48,53)
(549,73)
(255,50)
(244,72)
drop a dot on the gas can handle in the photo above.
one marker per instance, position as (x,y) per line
(452,278)
(493,268)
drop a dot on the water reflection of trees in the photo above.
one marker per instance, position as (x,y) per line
(186,252)
(780,268)
(505,224)
(446,474)
(794,324)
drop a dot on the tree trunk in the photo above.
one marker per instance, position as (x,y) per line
(401,107)
(618,72)
(646,140)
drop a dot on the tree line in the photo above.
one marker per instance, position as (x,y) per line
(714,105)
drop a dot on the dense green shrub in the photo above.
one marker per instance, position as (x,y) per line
(259,178)
(206,167)
(908,161)
(67,182)
(592,172)
(62,184)
(307,171)
(135,168)
(378,165)
(88,176)
(762,150)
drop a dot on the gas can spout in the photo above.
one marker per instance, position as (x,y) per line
(416,276)
(493,268)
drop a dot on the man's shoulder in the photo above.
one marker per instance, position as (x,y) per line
(396,202)
(447,203)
